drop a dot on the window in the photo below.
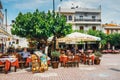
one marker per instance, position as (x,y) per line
(81,28)
(107,31)
(94,28)
(70,17)
(86,14)
(93,17)
(81,17)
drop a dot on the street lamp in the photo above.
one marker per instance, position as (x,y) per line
(6,18)
(54,5)
(53,29)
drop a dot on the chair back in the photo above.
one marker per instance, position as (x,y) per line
(77,58)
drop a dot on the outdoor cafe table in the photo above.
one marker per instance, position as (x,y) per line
(9,62)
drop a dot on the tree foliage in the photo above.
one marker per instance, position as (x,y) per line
(40,25)
(114,39)
(100,34)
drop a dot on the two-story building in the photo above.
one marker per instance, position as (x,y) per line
(111,28)
(82,18)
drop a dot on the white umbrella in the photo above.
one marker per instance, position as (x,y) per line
(77,37)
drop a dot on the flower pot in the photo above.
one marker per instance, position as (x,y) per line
(55,64)
(97,61)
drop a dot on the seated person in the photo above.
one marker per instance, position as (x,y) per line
(92,56)
(25,54)
(62,53)
(69,53)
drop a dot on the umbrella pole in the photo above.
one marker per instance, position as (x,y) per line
(84,46)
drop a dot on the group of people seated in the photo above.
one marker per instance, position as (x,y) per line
(38,58)
(84,56)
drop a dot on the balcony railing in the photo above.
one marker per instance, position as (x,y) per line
(88,20)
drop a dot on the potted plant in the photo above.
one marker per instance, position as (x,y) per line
(55,59)
(97,57)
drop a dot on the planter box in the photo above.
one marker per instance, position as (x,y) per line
(55,64)
(97,61)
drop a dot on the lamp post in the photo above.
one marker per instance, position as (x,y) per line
(6,18)
(54,5)
(53,29)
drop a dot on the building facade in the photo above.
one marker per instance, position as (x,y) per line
(4,35)
(111,28)
(82,18)
(15,41)
(2,39)
(1,16)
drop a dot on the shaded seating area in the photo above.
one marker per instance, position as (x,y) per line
(75,60)
(84,53)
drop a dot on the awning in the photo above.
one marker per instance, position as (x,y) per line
(5,33)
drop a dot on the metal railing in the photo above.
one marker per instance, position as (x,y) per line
(88,20)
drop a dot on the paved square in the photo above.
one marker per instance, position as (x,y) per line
(109,69)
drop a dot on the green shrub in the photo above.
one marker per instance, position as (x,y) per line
(55,54)
(98,54)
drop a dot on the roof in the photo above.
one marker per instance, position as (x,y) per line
(76,10)
(110,25)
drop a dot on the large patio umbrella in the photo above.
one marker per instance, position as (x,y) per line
(78,37)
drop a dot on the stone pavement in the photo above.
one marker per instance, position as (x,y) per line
(109,69)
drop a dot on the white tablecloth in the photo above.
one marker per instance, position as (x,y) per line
(9,59)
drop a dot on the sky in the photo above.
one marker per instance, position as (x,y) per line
(110,8)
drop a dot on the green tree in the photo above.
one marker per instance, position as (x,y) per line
(100,34)
(58,26)
(114,39)
(39,26)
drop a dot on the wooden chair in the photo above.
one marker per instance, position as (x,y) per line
(2,67)
(76,60)
(21,62)
(83,58)
(70,61)
(63,61)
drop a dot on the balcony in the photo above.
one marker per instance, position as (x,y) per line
(88,20)
(85,21)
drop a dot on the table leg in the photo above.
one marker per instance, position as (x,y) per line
(15,68)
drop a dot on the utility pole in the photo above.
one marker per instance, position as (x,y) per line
(6,18)
(53,5)
(54,17)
